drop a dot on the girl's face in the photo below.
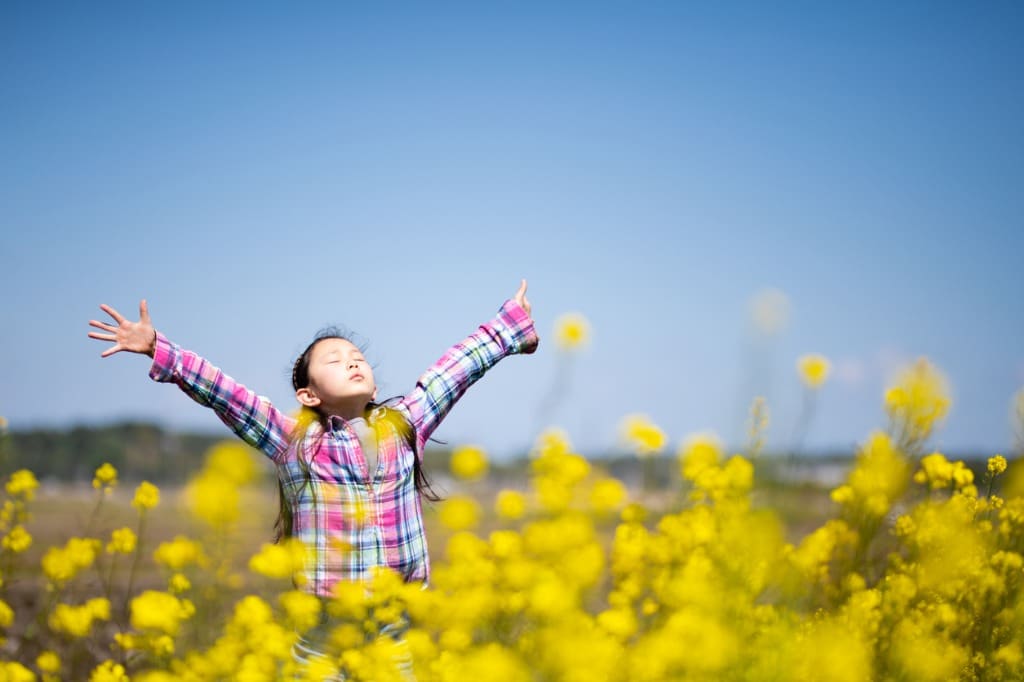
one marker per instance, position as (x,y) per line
(339,375)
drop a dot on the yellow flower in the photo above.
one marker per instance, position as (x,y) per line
(122,541)
(607,495)
(18,540)
(178,553)
(469,462)
(232,460)
(160,612)
(214,499)
(459,513)
(996,465)
(16,672)
(700,451)
(6,615)
(22,483)
(918,401)
(302,609)
(572,331)
(814,369)
(61,564)
(939,473)
(878,478)
(147,496)
(77,621)
(109,671)
(105,477)
(510,504)
(642,435)
(48,662)
(178,583)
(282,560)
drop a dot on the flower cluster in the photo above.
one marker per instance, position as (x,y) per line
(911,573)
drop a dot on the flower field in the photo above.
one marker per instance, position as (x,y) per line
(912,571)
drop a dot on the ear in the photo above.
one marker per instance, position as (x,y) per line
(306,397)
(374,398)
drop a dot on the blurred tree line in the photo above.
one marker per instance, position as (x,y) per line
(138,450)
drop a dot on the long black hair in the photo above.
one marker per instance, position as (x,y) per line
(308,415)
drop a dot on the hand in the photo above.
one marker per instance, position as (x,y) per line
(521,298)
(135,337)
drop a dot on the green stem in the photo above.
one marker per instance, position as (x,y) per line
(135,562)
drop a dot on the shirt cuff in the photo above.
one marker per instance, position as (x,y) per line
(520,326)
(165,359)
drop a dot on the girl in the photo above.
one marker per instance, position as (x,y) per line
(349,468)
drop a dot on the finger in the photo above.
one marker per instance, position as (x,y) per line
(110,351)
(113,313)
(102,325)
(102,337)
(143,311)
(521,294)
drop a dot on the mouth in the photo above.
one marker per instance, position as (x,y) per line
(356,377)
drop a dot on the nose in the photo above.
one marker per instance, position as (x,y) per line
(352,363)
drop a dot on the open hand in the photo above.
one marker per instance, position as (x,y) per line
(135,337)
(521,299)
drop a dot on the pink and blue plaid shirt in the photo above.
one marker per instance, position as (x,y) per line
(350,520)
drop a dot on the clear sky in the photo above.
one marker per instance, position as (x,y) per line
(259,170)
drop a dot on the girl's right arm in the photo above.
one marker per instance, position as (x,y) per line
(251,416)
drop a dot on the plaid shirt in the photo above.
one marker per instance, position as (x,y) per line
(349,520)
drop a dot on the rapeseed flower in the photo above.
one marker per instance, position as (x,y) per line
(23,484)
(283,560)
(147,496)
(178,553)
(301,608)
(642,435)
(159,612)
(62,564)
(233,461)
(122,541)
(572,331)
(813,369)
(17,540)
(699,452)
(77,621)
(469,462)
(938,473)
(213,499)
(16,672)
(607,495)
(6,615)
(178,583)
(105,477)
(109,671)
(996,465)
(48,662)
(917,402)
(510,504)
(459,513)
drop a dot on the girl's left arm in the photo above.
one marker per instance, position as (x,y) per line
(510,332)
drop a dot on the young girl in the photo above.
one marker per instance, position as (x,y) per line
(349,468)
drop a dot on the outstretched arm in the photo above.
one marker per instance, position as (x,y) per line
(510,332)
(250,416)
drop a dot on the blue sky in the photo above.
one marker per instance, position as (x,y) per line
(259,170)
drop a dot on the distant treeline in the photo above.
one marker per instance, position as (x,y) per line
(138,450)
